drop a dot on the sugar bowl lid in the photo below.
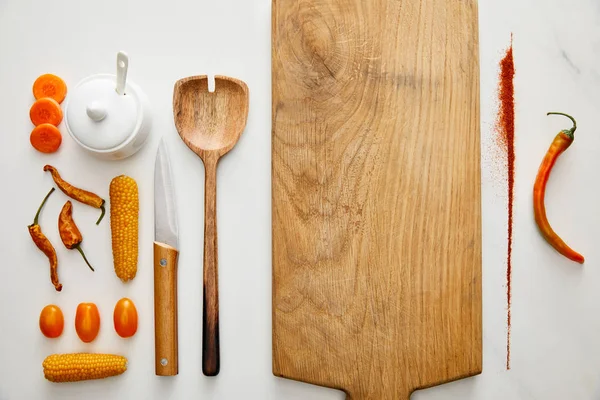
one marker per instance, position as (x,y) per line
(104,111)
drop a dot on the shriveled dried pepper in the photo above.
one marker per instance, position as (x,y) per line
(69,232)
(75,193)
(561,142)
(42,243)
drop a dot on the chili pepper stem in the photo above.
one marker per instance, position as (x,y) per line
(569,132)
(78,247)
(101,215)
(37,214)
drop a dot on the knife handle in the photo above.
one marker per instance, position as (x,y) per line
(165,309)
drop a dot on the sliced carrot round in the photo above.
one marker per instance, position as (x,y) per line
(46,111)
(45,138)
(49,85)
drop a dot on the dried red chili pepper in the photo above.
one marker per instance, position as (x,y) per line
(42,243)
(75,193)
(561,142)
(69,232)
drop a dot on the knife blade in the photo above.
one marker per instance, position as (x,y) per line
(165,267)
(165,217)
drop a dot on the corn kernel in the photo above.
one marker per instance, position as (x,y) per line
(82,366)
(124,210)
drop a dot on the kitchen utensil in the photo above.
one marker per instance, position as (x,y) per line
(107,115)
(376,194)
(210,123)
(165,267)
(122,67)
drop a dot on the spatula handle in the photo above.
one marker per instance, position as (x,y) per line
(211,362)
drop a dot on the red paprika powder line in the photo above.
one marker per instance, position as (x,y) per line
(506,130)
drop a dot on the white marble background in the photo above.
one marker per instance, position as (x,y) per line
(556,304)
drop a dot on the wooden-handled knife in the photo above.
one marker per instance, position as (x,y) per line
(165,267)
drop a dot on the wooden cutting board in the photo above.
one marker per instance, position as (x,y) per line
(376,194)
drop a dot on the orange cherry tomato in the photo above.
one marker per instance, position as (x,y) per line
(125,318)
(87,322)
(52,321)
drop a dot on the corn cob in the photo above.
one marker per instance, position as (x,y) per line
(124,209)
(82,366)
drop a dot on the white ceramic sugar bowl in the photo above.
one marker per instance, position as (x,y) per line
(107,115)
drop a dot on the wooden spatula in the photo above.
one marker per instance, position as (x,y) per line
(210,123)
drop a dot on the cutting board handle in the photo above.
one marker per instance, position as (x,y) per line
(383,393)
(211,360)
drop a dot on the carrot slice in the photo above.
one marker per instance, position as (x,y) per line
(49,85)
(45,138)
(46,111)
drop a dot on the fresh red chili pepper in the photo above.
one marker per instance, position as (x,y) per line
(561,142)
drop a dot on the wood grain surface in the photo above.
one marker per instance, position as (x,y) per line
(166,357)
(211,347)
(210,124)
(376,194)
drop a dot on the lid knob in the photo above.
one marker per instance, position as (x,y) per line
(96,111)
